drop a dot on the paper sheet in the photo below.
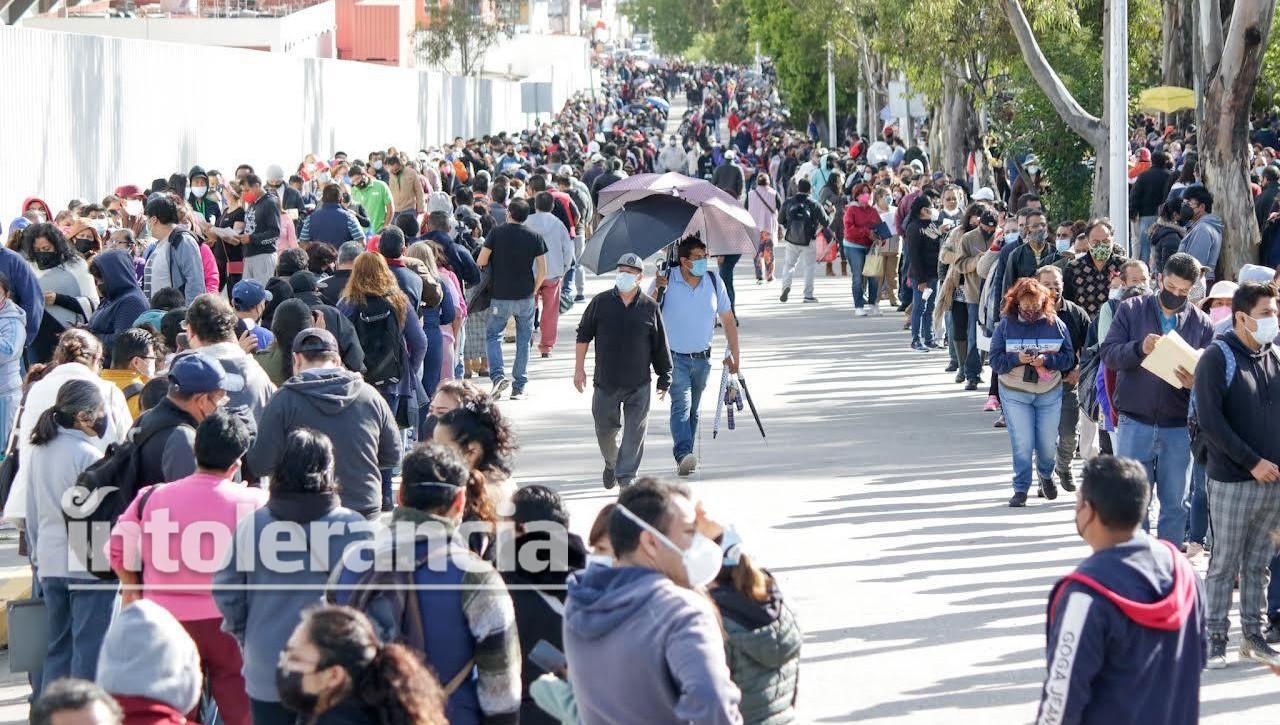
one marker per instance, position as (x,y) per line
(1169,354)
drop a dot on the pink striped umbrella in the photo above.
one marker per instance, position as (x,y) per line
(723,224)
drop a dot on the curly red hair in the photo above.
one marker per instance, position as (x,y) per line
(1029,287)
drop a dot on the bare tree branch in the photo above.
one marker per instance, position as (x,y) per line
(1088,126)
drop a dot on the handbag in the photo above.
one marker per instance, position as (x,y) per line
(28,621)
(873,266)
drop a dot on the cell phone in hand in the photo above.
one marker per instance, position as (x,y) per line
(545,655)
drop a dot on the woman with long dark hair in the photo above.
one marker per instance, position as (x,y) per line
(335,669)
(261,605)
(70,294)
(63,445)
(922,238)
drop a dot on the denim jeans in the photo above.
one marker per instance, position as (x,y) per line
(949,325)
(1143,243)
(904,285)
(1198,501)
(688,379)
(78,621)
(726,265)
(1033,429)
(499,312)
(973,356)
(1166,454)
(865,290)
(922,315)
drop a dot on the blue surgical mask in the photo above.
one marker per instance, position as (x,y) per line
(1062,245)
(699,267)
(625,281)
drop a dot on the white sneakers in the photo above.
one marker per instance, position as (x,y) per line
(859,312)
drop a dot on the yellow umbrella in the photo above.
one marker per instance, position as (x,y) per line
(1167,99)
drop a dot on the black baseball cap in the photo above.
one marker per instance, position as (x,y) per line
(315,339)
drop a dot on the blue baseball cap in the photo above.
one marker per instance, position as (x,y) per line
(193,373)
(249,293)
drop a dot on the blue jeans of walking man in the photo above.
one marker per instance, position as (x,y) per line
(688,380)
(1033,429)
(500,311)
(922,314)
(1166,454)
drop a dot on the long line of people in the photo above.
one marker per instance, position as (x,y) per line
(253,353)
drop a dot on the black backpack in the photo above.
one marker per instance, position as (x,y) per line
(798,224)
(382,339)
(102,492)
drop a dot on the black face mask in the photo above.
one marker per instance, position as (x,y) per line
(292,696)
(86,246)
(428,428)
(1171,301)
(100,426)
(46,260)
(1186,214)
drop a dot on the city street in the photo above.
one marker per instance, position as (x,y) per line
(878,500)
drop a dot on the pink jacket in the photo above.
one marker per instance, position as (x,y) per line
(211,278)
(182,564)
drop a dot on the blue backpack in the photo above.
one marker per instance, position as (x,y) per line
(1200,443)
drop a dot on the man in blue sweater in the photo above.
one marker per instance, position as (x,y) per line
(1153,413)
(1126,629)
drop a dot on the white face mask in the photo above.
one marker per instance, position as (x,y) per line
(625,281)
(99,225)
(701,560)
(934,214)
(1268,328)
(132,207)
(1114,294)
(324,177)
(199,191)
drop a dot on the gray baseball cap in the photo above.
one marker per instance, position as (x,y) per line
(630,259)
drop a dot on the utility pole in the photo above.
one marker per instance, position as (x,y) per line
(831,94)
(1118,123)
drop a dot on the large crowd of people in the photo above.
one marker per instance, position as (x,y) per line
(297,356)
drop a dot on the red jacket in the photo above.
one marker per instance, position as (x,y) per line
(858,223)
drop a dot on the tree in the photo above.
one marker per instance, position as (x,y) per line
(455,36)
(1086,125)
(1237,43)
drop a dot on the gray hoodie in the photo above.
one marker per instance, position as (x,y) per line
(148,654)
(1204,241)
(644,650)
(258,387)
(340,404)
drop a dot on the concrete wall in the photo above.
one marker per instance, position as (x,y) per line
(85,114)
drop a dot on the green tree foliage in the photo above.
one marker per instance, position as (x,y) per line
(455,38)
(798,47)
(674,24)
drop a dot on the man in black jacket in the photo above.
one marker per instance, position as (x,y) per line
(1036,252)
(1145,197)
(1235,414)
(800,218)
(627,328)
(1266,201)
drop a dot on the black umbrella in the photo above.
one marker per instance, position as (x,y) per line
(641,227)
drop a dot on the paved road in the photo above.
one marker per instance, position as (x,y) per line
(879,502)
